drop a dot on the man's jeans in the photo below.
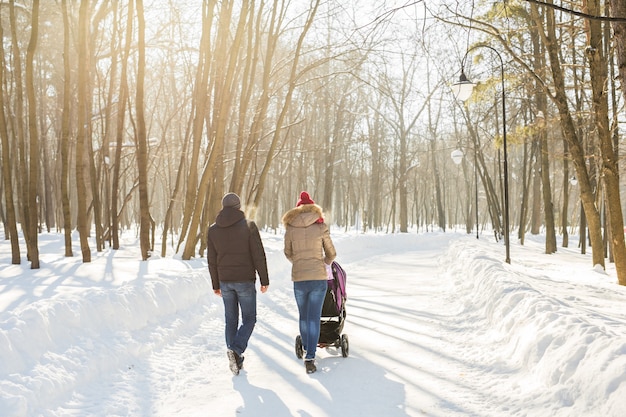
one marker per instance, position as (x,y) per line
(238,295)
(310,299)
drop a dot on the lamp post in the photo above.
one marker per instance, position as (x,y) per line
(457,157)
(462,90)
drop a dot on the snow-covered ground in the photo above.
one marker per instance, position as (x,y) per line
(438,325)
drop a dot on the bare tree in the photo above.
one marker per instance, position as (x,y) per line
(598,72)
(200,104)
(65,133)
(33,145)
(548,36)
(142,147)
(82,164)
(286,104)
(119,133)
(398,95)
(11,222)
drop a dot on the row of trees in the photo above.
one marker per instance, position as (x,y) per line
(119,113)
(563,68)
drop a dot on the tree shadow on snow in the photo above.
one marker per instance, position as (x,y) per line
(351,386)
(358,387)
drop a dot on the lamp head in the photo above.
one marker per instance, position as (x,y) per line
(463,88)
(457,156)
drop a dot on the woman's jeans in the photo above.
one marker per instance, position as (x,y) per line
(238,295)
(310,299)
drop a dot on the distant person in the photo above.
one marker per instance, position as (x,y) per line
(309,248)
(235,255)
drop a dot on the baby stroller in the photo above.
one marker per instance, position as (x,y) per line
(333,315)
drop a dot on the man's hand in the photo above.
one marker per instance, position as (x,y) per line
(264,288)
(218,292)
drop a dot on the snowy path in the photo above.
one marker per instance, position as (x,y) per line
(402,355)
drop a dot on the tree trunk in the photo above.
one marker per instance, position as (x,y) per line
(119,134)
(539,66)
(527,177)
(33,133)
(569,132)
(535,216)
(441,216)
(82,165)
(18,131)
(142,146)
(11,221)
(286,104)
(247,88)
(65,134)
(610,170)
(260,112)
(566,185)
(493,206)
(547,195)
(95,205)
(200,100)
(618,9)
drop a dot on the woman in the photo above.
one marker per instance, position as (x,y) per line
(309,248)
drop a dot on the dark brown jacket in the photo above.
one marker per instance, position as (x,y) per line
(308,245)
(234,249)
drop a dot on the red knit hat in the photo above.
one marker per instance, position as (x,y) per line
(305,198)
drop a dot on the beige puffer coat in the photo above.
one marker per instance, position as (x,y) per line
(307,243)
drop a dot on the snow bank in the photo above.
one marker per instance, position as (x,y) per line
(562,342)
(50,347)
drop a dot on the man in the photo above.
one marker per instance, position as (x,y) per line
(235,256)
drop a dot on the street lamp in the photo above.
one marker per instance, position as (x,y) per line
(463,88)
(457,157)
(460,90)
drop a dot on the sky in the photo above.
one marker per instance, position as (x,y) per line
(438,325)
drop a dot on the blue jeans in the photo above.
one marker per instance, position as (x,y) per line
(310,299)
(238,295)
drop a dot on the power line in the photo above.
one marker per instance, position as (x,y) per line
(580,14)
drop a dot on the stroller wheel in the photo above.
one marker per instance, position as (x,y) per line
(299,349)
(345,346)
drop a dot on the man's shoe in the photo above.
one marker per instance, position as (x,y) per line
(233,361)
(309,364)
(240,362)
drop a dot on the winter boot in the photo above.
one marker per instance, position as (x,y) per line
(233,361)
(309,364)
